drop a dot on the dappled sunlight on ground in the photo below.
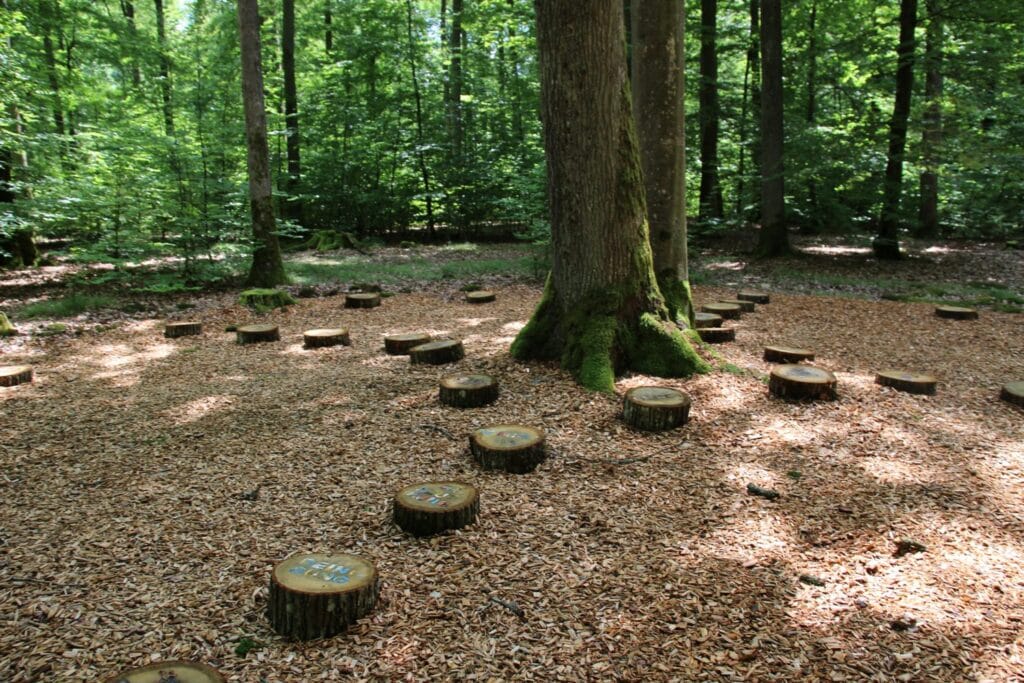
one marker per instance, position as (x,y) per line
(200,408)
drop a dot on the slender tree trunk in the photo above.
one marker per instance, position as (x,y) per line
(928,213)
(601,312)
(886,245)
(328,30)
(54,78)
(420,157)
(811,224)
(710,184)
(774,237)
(128,10)
(165,70)
(456,43)
(754,57)
(658,93)
(293,203)
(267,269)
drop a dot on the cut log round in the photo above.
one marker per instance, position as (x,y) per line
(182,329)
(655,409)
(437,352)
(320,338)
(701,319)
(468,391)
(910,382)
(399,344)
(362,300)
(480,297)
(717,335)
(13,375)
(253,334)
(956,312)
(745,306)
(435,506)
(727,311)
(786,354)
(170,672)
(802,382)
(753,295)
(315,595)
(1014,393)
(513,448)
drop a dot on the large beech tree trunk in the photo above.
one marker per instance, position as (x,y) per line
(928,212)
(657,78)
(710,185)
(774,237)
(267,269)
(293,203)
(602,311)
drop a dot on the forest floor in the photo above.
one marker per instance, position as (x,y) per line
(129,530)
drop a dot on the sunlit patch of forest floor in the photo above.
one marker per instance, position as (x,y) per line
(130,530)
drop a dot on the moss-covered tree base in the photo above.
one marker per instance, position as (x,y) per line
(265,299)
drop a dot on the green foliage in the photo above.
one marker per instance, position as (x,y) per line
(246,645)
(263,300)
(68,306)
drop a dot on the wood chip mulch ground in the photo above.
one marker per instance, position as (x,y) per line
(149,485)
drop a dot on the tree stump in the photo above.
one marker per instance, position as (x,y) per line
(399,344)
(655,409)
(745,306)
(910,382)
(956,312)
(753,295)
(182,329)
(362,300)
(727,311)
(320,338)
(13,375)
(432,507)
(170,672)
(1013,393)
(717,335)
(468,391)
(437,352)
(701,319)
(802,382)
(253,334)
(480,297)
(786,354)
(317,596)
(512,448)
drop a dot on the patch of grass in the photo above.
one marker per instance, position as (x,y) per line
(460,246)
(794,474)
(354,269)
(67,306)
(247,645)
(52,329)
(732,369)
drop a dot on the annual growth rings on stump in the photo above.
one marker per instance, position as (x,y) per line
(435,506)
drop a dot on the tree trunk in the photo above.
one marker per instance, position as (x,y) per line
(420,156)
(267,269)
(774,237)
(886,244)
(292,203)
(128,10)
(751,84)
(602,311)
(710,184)
(328,31)
(456,43)
(658,61)
(51,74)
(165,69)
(811,222)
(931,140)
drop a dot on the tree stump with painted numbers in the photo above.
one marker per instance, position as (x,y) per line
(1013,393)
(717,335)
(314,595)
(362,300)
(956,313)
(254,334)
(513,448)
(727,311)
(802,383)
(481,296)
(437,352)
(753,295)
(701,319)
(13,375)
(170,672)
(910,382)
(400,344)
(787,354)
(468,391)
(655,409)
(432,507)
(322,338)
(182,329)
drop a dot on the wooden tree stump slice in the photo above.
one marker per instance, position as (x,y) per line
(956,312)
(399,344)
(655,409)
(362,300)
(435,506)
(314,595)
(701,319)
(182,329)
(468,391)
(437,352)
(513,448)
(480,297)
(13,375)
(786,354)
(254,334)
(170,672)
(717,335)
(802,382)
(910,382)
(753,295)
(1013,393)
(745,306)
(320,338)
(727,311)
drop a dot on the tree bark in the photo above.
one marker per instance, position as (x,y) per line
(292,203)
(710,184)
(886,244)
(774,237)
(658,92)
(328,30)
(267,269)
(456,43)
(602,311)
(51,74)
(128,10)
(931,139)
(811,223)
(420,156)
(751,84)
(165,69)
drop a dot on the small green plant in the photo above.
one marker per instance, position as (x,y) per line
(68,306)
(263,300)
(247,645)
(794,474)
(52,329)
(6,328)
